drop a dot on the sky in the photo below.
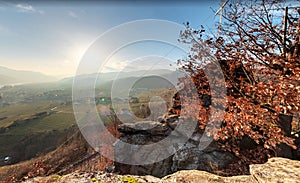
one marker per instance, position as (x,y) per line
(51,37)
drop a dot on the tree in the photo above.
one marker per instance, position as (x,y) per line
(260,60)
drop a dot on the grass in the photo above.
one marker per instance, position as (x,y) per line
(60,121)
(53,125)
(21,111)
(57,121)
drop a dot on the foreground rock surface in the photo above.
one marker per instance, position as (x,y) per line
(274,171)
(182,151)
(277,170)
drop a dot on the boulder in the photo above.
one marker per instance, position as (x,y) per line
(141,133)
(190,157)
(187,154)
(274,171)
(204,177)
(145,127)
(277,170)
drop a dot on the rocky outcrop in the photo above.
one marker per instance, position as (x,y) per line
(141,133)
(277,170)
(274,171)
(192,152)
(188,154)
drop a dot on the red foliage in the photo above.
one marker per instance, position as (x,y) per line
(107,148)
(262,77)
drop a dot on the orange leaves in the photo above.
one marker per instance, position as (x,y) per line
(261,83)
(266,146)
(277,109)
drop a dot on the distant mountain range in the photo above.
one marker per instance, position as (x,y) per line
(160,78)
(142,78)
(11,76)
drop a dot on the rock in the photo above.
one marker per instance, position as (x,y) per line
(146,127)
(194,176)
(284,151)
(157,169)
(274,171)
(277,170)
(136,154)
(84,177)
(296,152)
(247,143)
(191,157)
(187,153)
(172,121)
(285,122)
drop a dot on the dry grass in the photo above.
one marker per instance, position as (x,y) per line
(71,151)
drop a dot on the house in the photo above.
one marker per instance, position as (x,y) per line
(134,100)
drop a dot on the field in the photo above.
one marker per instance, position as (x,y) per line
(35,119)
(47,128)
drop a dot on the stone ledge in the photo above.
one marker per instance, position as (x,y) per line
(276,170)
(147,127)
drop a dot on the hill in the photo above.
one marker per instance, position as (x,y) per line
(11,76)
(110,76)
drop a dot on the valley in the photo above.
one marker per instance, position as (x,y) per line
(37,118)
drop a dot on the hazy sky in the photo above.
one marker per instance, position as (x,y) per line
(51,37)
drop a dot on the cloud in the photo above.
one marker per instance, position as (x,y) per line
(72,14)
(146,63)
(28,9)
